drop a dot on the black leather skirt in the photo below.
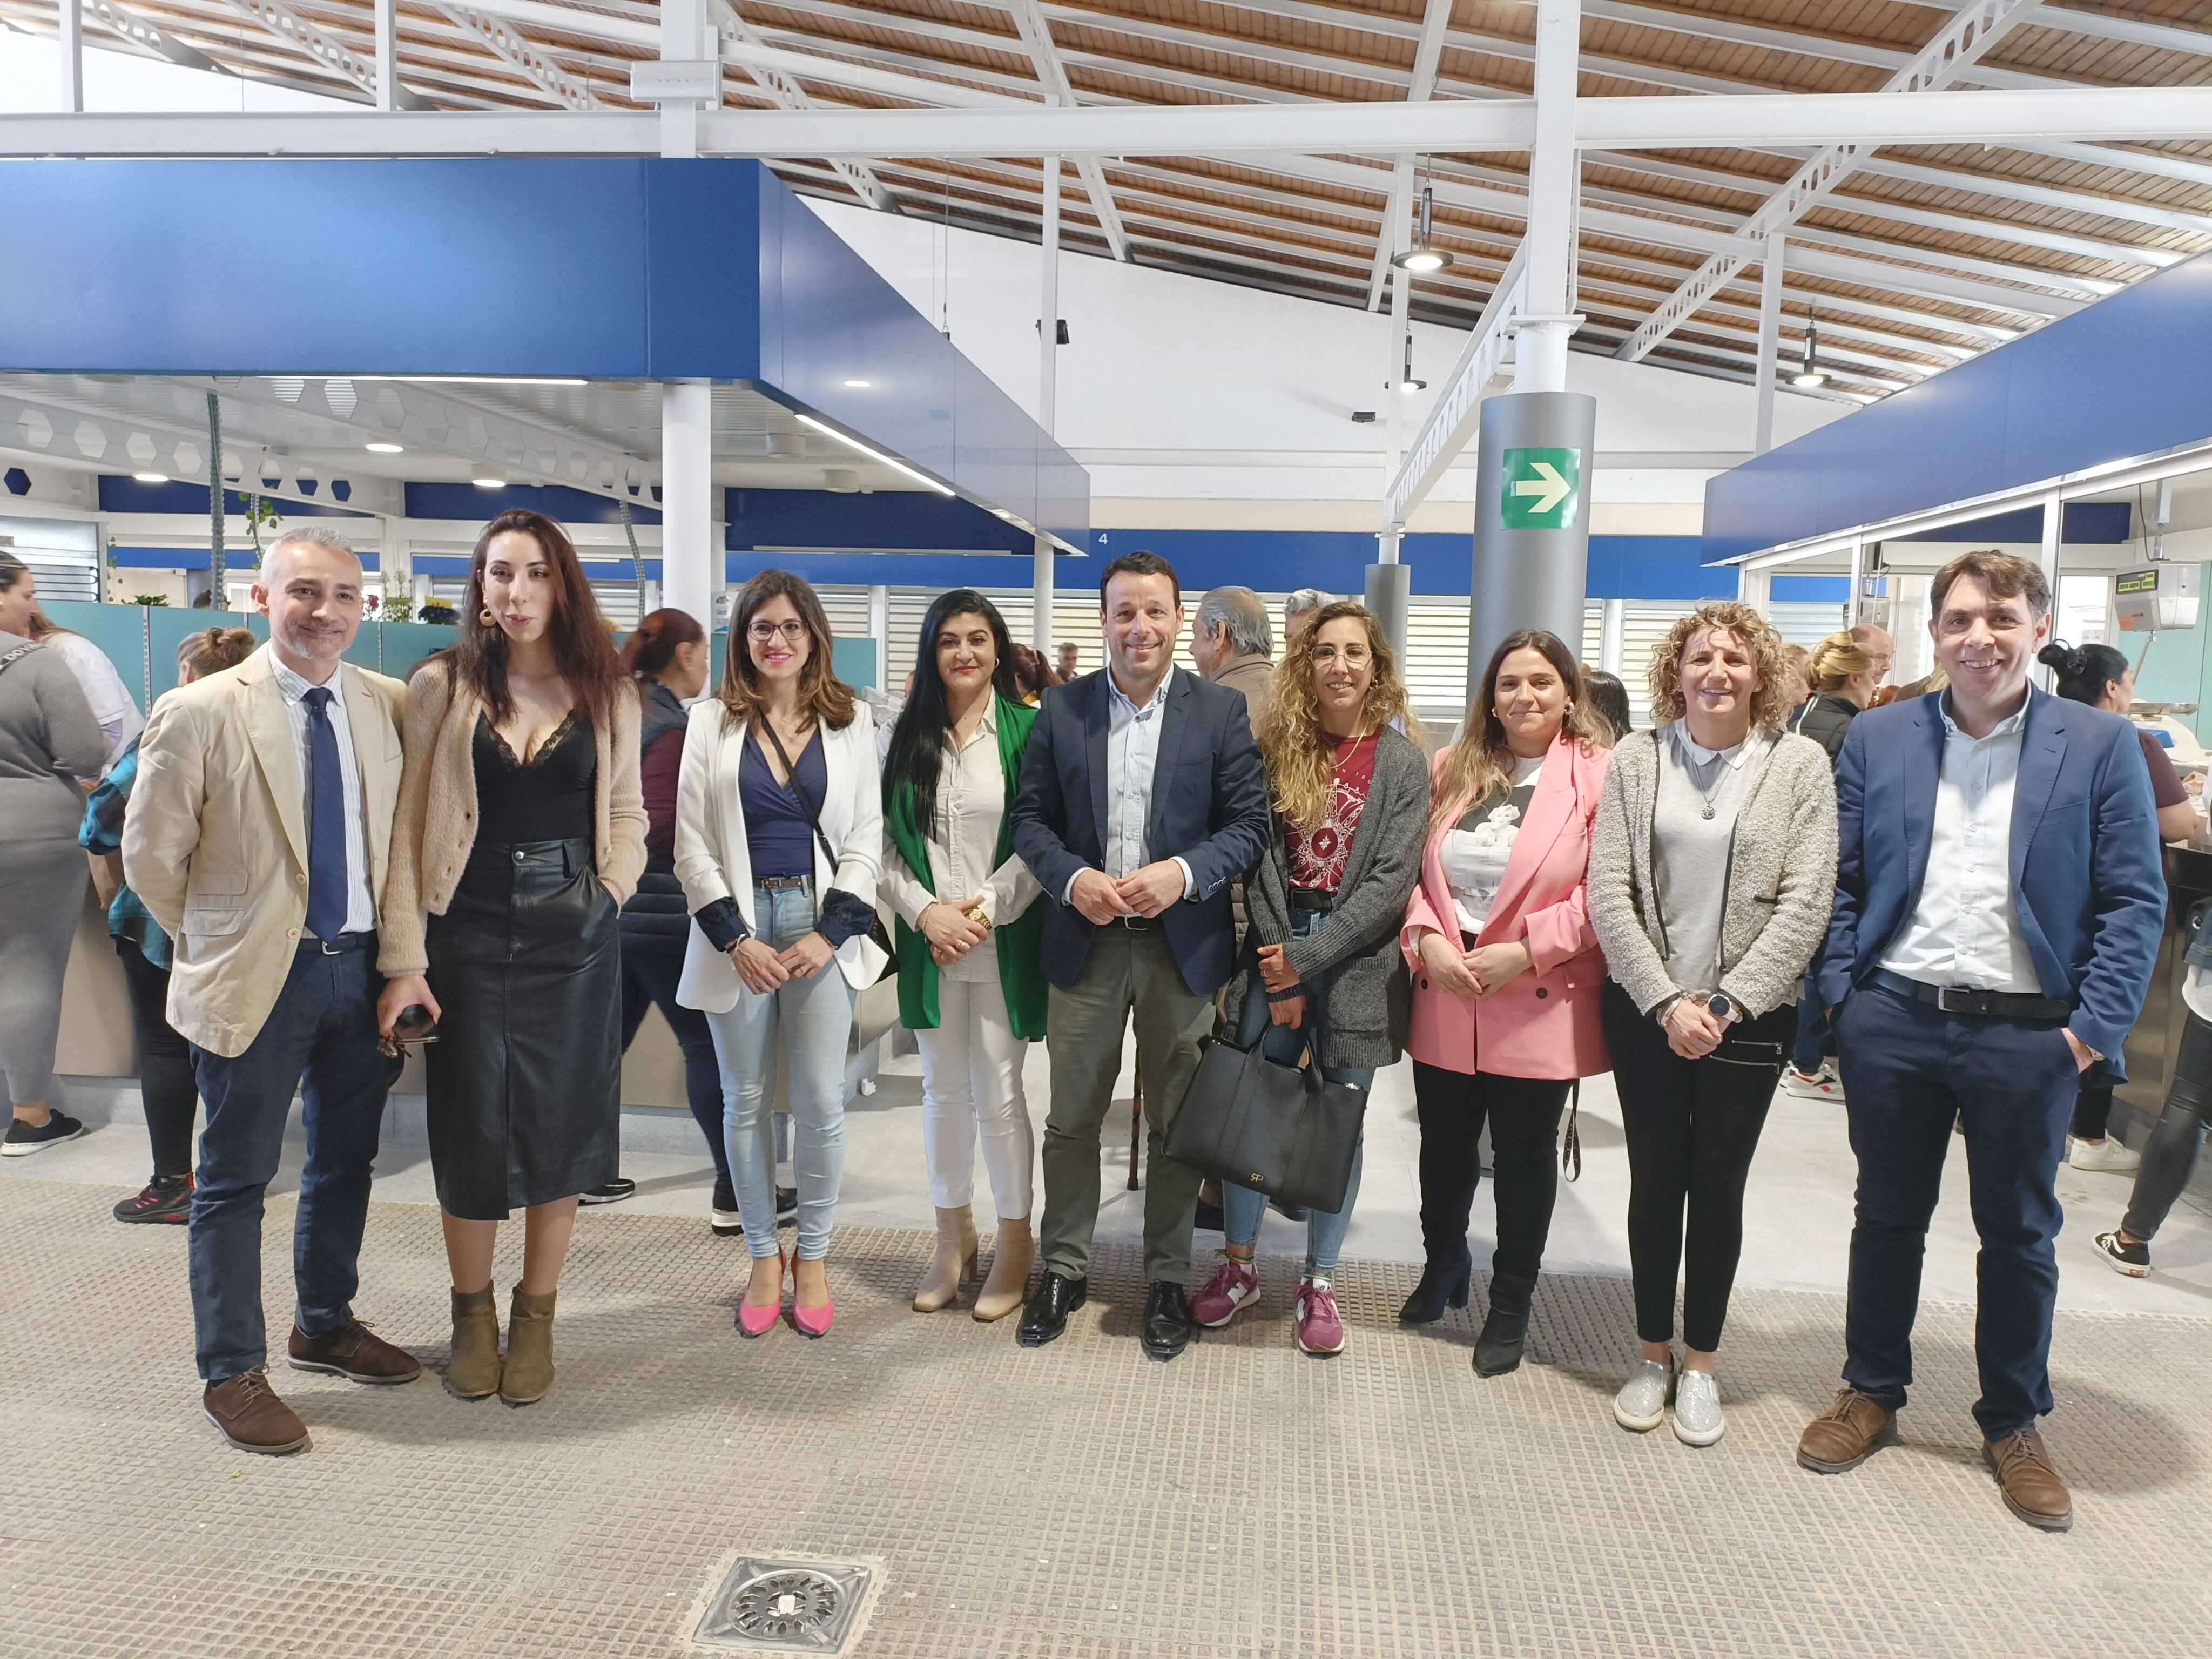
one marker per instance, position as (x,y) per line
(525,1078)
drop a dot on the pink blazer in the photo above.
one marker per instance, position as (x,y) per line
(1544,1023)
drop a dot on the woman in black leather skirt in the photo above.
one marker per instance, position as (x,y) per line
(521,830)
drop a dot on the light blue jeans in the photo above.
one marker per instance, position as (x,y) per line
(1243,1209)
(814,1018)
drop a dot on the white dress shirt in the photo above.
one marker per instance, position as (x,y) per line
(361,909)
(971,805)
(1965,930)
(113,705)
(1132,749)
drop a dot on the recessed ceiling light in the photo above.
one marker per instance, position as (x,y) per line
(386,449)
(857,383)
(479,379)
(151,477)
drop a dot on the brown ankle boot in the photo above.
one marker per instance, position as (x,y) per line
(473,1371)
(527,1377)
(1012,1257)
(954,1263)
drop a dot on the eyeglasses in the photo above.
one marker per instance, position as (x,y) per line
(792,631)
(1354,655)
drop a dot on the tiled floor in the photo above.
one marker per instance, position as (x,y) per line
(1080,1500)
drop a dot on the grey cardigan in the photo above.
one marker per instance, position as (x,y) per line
(1352,959)
(1781,881)
(48,734)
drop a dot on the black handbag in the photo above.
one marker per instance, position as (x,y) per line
(1282,1130)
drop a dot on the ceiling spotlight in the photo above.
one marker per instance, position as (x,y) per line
(1407,381)
(1811,375)
(386,449)
(856,383)
(151,477)
(485,478)
(1425,256)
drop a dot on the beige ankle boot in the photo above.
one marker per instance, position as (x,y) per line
(1012,1257)
(473,1372)
(527,1377)
(954,1263)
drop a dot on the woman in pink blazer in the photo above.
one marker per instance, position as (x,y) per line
(1506,974)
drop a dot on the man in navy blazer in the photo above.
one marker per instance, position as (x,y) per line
(1141,799)
(1999,901)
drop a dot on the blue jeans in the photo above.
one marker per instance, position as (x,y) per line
(1243,1209)
(1909,1071)
(814,1018)
(320,1038)
(650,971)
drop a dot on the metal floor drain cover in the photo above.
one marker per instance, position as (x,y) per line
(786,1607)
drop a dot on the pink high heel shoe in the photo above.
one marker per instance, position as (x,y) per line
(811,1321)
(760,1321)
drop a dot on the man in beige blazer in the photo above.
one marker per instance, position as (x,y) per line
(257,834)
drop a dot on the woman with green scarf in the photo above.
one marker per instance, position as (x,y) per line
(969,987)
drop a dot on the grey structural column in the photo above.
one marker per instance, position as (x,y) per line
(1389,588)
(879,631)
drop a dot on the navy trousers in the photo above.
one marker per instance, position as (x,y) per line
(650,969)
(320,1039)
(1909,1071)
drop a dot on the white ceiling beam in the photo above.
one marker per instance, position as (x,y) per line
(788,93)
(526,58)
(569,20)
(1428,54)
(328,52)
(1037,35)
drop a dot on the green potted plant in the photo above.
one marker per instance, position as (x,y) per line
(440,612)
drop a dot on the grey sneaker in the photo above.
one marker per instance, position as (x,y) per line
(1641,1405)
(1698,1420)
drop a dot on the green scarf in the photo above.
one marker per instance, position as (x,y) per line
(1020,976)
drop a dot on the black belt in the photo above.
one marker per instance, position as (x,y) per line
(782,883)
(1135,924)
(331,947)
(1312,899)
(1958,999)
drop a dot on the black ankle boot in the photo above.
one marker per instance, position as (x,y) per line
(1505,1330)
(1440,1287)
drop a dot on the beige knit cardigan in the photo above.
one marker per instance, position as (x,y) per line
(434,827)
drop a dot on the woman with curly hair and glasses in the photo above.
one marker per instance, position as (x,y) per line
(1350,799)
(1711,873)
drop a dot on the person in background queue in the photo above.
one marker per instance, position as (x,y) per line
(2099,676)
(1350,794)
(2169,1155)
(1069,662)
(1507,976)
(520,831)
(1135,861)
(168,1093)
(1876,641)
(970,987)
(1298,609)
(51,743)
(668,659)
(1710,876)
(259,838)
(1609,699)
(779,845)
(113,705)
(1998,908)
(1841,677)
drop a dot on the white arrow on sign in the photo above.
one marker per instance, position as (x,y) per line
(1551,487)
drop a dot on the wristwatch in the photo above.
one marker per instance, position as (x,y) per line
(1723,1007)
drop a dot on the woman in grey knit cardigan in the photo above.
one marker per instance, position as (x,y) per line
(1712,869)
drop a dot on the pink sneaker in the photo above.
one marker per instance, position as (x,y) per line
(1321,1331)
(1235,1286)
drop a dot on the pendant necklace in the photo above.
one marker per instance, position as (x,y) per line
(1705,812)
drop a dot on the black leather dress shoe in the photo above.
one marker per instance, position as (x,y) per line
(1045,1316)
(1168,1327)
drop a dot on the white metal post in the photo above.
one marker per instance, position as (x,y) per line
(1401,301)
(880,630)
(72,55)
(1751,588)
(1042,585)
(1042,575)
(1540,362)
(1770,344)
(682,41)
(1612,622)
(387,54)
(687,555)
(2054,532)
(1858,581)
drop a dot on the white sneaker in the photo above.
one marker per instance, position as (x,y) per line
(1823,1085)
(1641,1405)
(1698,1420)
(2107,1155)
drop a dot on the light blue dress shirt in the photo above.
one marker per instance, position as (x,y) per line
(1133,753)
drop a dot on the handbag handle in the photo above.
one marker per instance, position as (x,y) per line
(813,812)
(1311,1029)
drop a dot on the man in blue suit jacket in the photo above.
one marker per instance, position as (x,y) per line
(1998,906)
(1141,799)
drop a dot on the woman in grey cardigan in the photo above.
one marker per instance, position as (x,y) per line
(1712,869)
(1350,795)
(48,736)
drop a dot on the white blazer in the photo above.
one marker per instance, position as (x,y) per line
(713,859)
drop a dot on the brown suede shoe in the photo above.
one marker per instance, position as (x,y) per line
(251,1416)
(1846,1434)
(2032,1488)
(353,1351)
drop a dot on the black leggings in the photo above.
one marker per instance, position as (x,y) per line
(2170,1155)
(1693,1126)
(165,1083)
(1524,1126)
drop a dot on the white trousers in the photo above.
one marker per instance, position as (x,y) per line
(972,1080)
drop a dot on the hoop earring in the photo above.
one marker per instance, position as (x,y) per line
(485,616)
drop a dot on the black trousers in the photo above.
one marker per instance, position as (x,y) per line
(2093,1113)
(2170,1155)
(1523,1113)
(1692,1126)
(165,1083)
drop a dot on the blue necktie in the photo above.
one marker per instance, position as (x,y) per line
(327,841)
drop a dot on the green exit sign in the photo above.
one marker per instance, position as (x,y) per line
(1543,487)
